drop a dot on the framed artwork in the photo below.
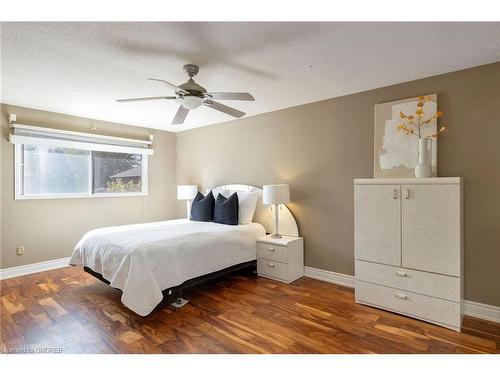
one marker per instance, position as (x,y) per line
(396,153)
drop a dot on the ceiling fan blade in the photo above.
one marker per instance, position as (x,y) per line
(180,116)
(231,95)
(144,99)
(171,85)
(224,108)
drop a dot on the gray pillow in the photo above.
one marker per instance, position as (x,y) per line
(226,209)
(202,208)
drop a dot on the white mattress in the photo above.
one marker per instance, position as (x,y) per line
(144,259)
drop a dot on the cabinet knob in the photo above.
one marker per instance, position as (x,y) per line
(401,296)
(395,193)
(401,273)
(270,265)
(270,248)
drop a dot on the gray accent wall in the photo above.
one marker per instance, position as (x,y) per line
(319,148)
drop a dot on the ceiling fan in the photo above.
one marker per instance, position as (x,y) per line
(190,96)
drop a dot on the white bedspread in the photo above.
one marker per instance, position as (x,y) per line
(144,259)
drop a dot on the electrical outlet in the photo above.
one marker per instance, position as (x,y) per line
(19,250)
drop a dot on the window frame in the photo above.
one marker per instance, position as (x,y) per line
(19,187)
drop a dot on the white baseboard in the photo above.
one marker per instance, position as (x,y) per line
(329,276)
(28,269)
(470,308)
(482,311)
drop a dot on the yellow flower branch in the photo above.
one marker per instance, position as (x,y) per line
(413,124)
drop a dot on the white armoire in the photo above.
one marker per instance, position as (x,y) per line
(409,247)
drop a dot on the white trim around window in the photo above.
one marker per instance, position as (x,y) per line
(28,135)
(18,187)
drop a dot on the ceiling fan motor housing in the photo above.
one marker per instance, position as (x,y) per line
(196,94)
(193,88)
(191,69)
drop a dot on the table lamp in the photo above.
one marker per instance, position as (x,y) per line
(276,195)
(187,193)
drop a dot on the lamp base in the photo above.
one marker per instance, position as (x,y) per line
(275,235)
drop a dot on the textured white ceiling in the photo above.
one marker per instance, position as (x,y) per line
(81,68)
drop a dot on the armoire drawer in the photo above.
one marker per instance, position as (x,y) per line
(419,306)
(430,284)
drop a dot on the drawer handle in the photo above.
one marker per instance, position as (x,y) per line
(401,296)
(271,265)
(401,273)
(395,194)
(270,248)
(407,193)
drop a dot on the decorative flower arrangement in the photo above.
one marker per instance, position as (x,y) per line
(412,124)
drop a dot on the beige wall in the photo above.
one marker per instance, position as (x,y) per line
(320,148)
(50,228)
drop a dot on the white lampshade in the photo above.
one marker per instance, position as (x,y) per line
(186,192)
(276,194)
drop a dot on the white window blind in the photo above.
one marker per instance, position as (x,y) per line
(34,135)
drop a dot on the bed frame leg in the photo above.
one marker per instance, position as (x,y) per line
(179,301)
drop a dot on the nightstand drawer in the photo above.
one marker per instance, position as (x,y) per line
(272,269)
(273,252)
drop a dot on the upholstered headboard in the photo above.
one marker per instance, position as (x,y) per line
(264,214)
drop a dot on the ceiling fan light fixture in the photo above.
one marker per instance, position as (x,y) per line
(191,102)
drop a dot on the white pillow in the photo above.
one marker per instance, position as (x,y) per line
(247,201)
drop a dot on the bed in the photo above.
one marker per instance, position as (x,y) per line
(147,260)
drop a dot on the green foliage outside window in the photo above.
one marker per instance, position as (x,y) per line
(116,185)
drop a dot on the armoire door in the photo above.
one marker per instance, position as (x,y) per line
(431,228)
(377,223)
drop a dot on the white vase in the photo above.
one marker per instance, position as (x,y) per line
(423,169)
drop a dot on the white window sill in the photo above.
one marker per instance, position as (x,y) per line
(78,196)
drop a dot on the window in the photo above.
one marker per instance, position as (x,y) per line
(44,169)
(51,170)
(116,172)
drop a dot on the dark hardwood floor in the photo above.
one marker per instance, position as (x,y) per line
(71,310)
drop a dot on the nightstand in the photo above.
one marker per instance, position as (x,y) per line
(280,259)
